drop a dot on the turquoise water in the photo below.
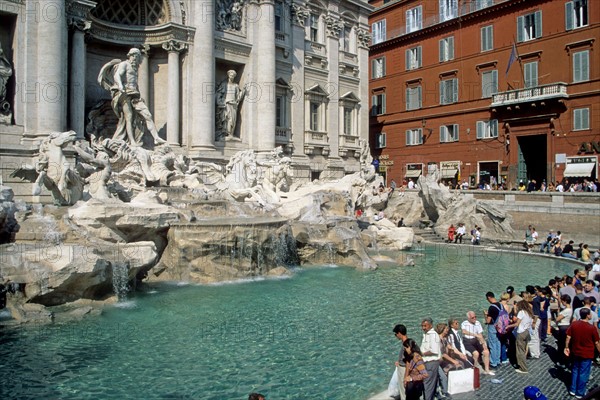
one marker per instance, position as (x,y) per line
(324,333)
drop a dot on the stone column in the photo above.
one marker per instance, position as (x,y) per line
(333,28)
(144,75)
(174,101)
(363,40)
(265,76)
(202,132)
(299,15)
(77,78)
(78,12)
(50,16)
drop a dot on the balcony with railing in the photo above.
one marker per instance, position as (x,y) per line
(449,14)
(538,93)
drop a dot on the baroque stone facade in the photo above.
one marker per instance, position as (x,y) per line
(303,64)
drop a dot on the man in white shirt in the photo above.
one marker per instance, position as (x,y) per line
(475,342)
(432,353)
(411,184)
(460,232)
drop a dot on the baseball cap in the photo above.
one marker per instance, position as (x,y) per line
(533,393)
(510,289)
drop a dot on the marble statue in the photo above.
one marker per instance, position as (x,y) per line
(95,168)
(278,172)
(229,15)
(54,171)
(229,96)
(121,79)
(5,73)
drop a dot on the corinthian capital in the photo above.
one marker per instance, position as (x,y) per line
(333,25)
(299,14)
(174,45)
(364,37)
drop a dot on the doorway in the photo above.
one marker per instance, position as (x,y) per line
(532,160)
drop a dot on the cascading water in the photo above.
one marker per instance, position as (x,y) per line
(120,279)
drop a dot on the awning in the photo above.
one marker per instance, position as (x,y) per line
(574,170)
(413,173)
(449,173)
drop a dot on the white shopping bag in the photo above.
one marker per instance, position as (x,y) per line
(460,381)
(393,389)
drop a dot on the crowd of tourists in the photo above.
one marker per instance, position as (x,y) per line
(456,234)
(554,244)
(516,324)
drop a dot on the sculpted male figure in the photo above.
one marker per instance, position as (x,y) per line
(121,78)
(5,73)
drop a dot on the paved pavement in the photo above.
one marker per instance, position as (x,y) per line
(552,381)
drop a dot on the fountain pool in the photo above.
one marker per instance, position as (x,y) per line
(324,333)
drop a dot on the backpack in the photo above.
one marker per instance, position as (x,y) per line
(502,321)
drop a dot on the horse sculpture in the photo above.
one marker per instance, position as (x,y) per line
(53,170)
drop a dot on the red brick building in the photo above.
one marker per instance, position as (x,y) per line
(486,90)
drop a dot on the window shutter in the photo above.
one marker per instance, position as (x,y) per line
(490,38)
(585,118)
(420,104)
(577,120)
(538,24)
(569,15)
(408,137)
(442,52)
(443,134)
(409,22)
(373,68)
(373,105)
(520,27)
(408,63)
(408,99)
(375,32)
(383,103)
(585,68)
(454,90)
(484,38)
(419,21)
(451,48)
(577,66)
(442,10)
(485,84)
(418,57)
(443,92)
(455,132)
(494,128)
(382,66)
(494,82)
(383,31)
(480,129)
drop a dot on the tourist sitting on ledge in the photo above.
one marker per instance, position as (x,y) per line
(451,233)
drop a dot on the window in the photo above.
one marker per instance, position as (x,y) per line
(314,28)
(378,32)
(581,119)
(489,83)
(414,137)
(413,19)
(531,74)
(447,49)
(449,91)
(280,106)
(348,113)
(315,116)
(378,104)
(479,4)
(576,14)
(581,66)
(487,129)
(378,68)
(381,141)
(449,133)
(487,38)
(413,98)
(529,26)
(413,58)
(448,9)
(278,16)
(345,36)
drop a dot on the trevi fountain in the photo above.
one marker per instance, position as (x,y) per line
(156,275)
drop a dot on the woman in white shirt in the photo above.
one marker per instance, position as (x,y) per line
(523,323)
(563,321)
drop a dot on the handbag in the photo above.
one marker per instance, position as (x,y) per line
(460,381)
(393,388)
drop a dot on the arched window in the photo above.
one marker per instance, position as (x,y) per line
(132,12)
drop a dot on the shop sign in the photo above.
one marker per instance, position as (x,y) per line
(581,160)
(412,167)
(589,148)
(450,165)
